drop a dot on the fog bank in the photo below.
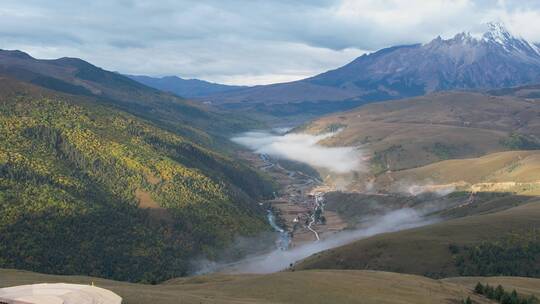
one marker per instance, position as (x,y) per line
(303,148)
(279,259)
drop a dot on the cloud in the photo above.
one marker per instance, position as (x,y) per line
(304,148)
(241,41)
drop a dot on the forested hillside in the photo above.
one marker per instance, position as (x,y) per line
(87,189)
(81,78)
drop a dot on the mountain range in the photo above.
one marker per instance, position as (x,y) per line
(465,62)
(189,88)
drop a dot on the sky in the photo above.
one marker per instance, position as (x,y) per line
(243,41)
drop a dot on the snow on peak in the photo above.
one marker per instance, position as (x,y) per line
(496,36)
(497,32)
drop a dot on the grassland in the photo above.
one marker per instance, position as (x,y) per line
(430,250)
(418,131)
(310,287)
(518,166)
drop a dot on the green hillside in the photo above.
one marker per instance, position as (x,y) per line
(489,243)
(87,189)
(81,78)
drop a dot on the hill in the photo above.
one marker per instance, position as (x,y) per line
(78,77)
(497,59)
(293,287)
(439,126)
(490,243)
(529,91)
(87,188)
(510,171)
(189,88)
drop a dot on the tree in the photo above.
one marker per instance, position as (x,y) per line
(499,292)
(479,288)
(489,292)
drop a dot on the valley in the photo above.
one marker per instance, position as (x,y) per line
(387,167)
(300,203)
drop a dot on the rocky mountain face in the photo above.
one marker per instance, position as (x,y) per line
(188,88)
(492,60)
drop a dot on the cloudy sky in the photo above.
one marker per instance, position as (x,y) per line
(242,41)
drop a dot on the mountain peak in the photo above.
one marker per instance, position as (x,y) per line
(16,54)
(497,32)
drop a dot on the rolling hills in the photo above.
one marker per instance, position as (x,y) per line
(488,243)
(511,171)
(418,131)
(87,188)
(469,160)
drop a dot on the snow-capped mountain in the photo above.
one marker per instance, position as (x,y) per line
(493,59)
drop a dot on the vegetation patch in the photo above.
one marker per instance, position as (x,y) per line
(516,254)
(517,141)
(382,160)
(441,150)
(502,296)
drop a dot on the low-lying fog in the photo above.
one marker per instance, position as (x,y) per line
(306,148)
(303,148)
(278,259)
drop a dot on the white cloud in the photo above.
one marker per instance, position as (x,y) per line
(304,148)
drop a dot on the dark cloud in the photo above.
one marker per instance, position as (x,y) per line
(241,41)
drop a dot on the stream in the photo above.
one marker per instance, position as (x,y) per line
(284,239)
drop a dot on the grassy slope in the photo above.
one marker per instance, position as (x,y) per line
(527,91)
(518,166)
(308,287)
(492,172)
(418,131)
(425,250)
(72,174)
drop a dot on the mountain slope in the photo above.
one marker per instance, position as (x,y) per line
(89,189)
(509,171)
(495,60)
(500,243)
(417,131)
(78,77)
(188,88)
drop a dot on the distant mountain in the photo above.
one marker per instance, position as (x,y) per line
(496,59)
(188,88)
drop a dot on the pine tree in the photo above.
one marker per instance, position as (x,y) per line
(499,292)
(479,288)
(489,292)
